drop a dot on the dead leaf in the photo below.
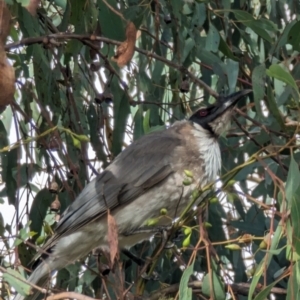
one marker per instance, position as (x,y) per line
(112,237)
(125,51)
(7,72)
(7,80)
(184,86)
(5,18)
(108,133)
(32,6)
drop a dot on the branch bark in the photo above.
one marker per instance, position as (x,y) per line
(52,39)
(238,288)
(69,295)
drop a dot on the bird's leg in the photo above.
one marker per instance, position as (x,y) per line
(139,261)
(148,229)
(163,230)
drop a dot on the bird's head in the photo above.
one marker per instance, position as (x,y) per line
(216,118)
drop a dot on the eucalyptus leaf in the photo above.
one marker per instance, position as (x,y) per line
(280,73)
(184,291)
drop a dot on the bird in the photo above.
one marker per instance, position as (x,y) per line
(143,179)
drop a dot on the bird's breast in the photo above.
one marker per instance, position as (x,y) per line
(209,155)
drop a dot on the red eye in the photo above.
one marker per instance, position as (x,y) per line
(202,112)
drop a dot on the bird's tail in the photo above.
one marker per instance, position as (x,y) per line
(38,277)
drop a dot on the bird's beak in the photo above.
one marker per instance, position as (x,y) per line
(219,109)
(232,99)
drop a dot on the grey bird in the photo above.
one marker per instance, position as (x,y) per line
(143,179)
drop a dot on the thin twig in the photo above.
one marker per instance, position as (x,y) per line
(70,295)
(259,145)
(87,37)
(241,288)
(42,290)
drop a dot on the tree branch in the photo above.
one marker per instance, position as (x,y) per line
(69,295)
(51,39)
(238,288)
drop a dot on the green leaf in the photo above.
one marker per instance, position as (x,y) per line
(82,138)
(76,142)
(146,121)
(188,46)
(38,211)
(74,270)
(258,81)
(295,216)
(223,47)
(274,252)
(293,291)
(11,159)
(264,263)
(12,277)
(294,37)
(280,73)
(213,39)
(63,278)
(259,26)
(24,173)
(291,254)
(263,294)
(200,14)
(111,24)
(93,121)
(61,3)
(284,38)
(26,254)
(138,130)
(121,113)
(176,8)
(273,106)
(24,2)
(184,291)
(232,68)
(292,182)
(217,286)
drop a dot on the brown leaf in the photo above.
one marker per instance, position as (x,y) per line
(184,86)
(125,51)
(112,237)
(32,6)
(7,80)
(108,133)
(55,205)
(7,72)
(5,18)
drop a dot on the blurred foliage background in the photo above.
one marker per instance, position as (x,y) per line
(76,101)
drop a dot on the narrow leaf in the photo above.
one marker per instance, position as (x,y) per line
(292,182)
(280,73)
(13,278)
(258,81)
(273,106)
(293,284)
(184,291)
(213,39)
(112,237)
(217,286)
(263,294)
(146,122)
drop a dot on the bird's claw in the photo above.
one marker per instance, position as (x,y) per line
(154,276)
(169,245)
(178,236)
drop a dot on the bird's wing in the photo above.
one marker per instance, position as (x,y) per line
(138,168)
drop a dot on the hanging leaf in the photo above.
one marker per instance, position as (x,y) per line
(184,291)
(280,73)
(112,237)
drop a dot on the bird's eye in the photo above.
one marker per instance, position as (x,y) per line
(203,112)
